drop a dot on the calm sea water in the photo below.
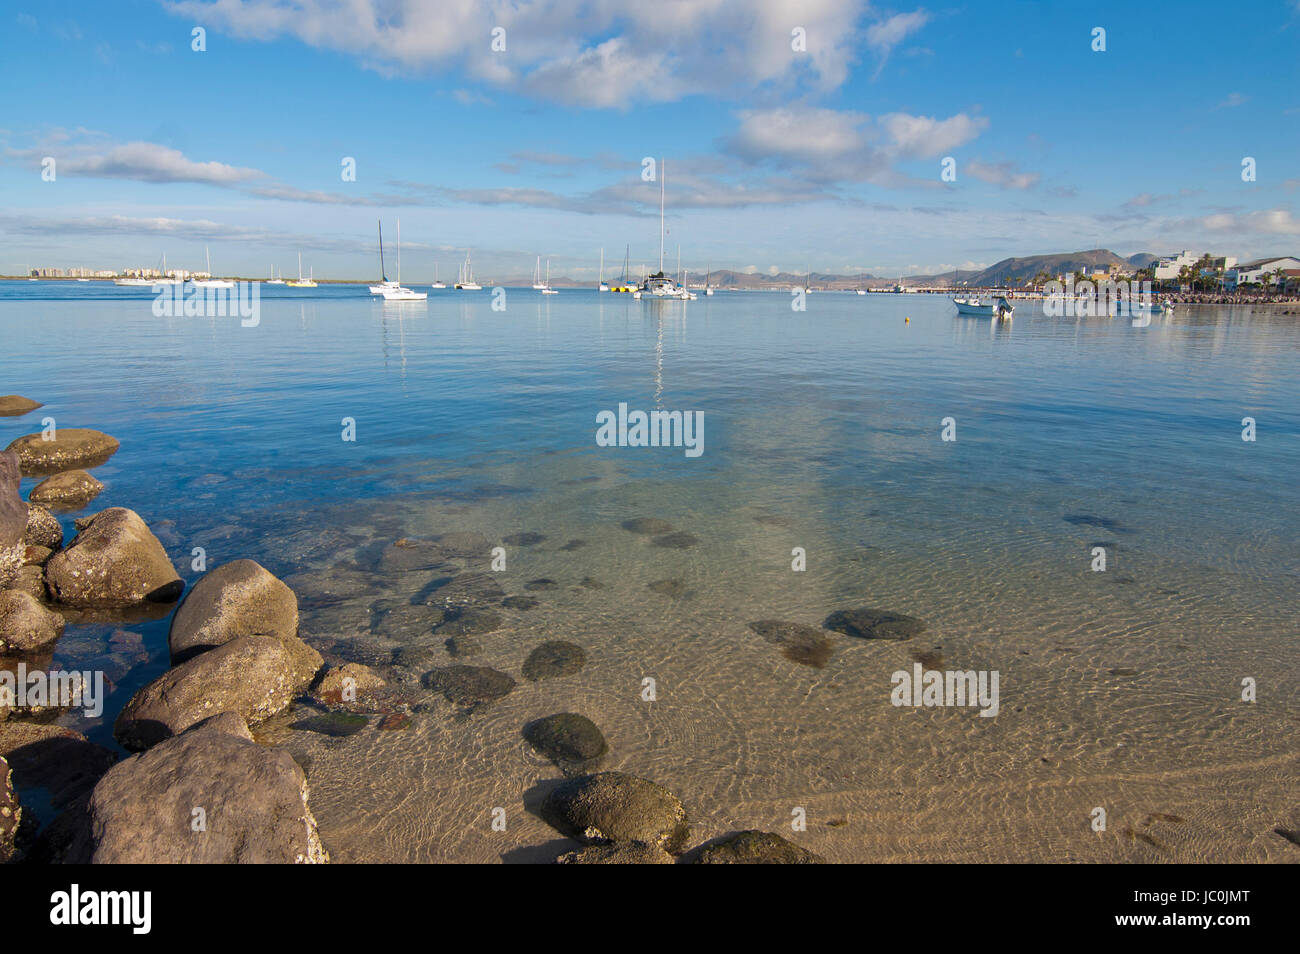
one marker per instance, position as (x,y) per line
(822,430)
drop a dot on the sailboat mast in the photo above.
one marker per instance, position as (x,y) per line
(602,266)
(663,174)
(383,275)
(399,251)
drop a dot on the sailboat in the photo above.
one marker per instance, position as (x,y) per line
(537,273)
(624,283)
(467,282)
(708,285)
(546,288)
(604,285)
(309,282)
(273,280)
(384,283)
(210,282)
(395,291)
(659,285)
(436,283)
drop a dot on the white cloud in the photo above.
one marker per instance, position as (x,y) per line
(884,36)
(925,137)
(602,53)
(150,162)
(1006,175)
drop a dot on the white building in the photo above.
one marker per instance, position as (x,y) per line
(1252,273)
(1167,268)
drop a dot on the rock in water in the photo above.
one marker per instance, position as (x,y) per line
(345,684)
(69,490)
(241,598)
(254,802)
(13,518)
(26,625)
(757,848)
(681,540)
(468,621)
(11,815)
(573,742)
(12,405)
(802,644)
(113,561)
(43,528)
(72,448)
(253,676)
(868,623)
(552,658)
(621,853)
(614,806)
(469,685)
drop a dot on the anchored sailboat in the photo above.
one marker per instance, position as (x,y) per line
(467,282)
(546,288)
(436,283)
(383,275)
(210,282)
(395,291)
(604,285)
(538,284)
(309,282)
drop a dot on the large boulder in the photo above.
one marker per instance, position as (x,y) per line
(71,448)
(241,598)
(13,518)
(11,815)
(12,405)
(615,806)
(209,796)
(113,561)
(252,676)
(69,490)
(26,625)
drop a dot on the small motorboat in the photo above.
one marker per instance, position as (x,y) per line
(975,307)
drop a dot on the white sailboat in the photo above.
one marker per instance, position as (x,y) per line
(708,284)
(273,280)
(467,282)
(210,282)
(538,284)
(396,292)
(604,285)
(546,287)
(309,282)
(659,285)
(436,283)
(383,274)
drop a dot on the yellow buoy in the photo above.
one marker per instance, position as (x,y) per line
(907,321)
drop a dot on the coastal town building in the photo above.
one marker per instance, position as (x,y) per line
(1170,268)
(1253,273)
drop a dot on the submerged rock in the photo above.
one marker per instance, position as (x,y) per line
(573,742)
(469,685)
(806,645)
(461,646)
(520,602)
(253,676)
(756,848)
(344,684)
(464,546)
(650,526)
(468,621)
(43,528)
(253,801)
(12,405)
(406,555)
(675,588)
(681,540)
(619,853)
(464,589)
(113,561)
(868,623)
(72,448)
(552,658)
(573,545)
(68,490)
(26,625)
(617,807)
(524,539)
(541,585)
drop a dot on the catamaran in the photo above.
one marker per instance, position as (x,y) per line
(467,282)
(395,291)
(210,282)
(309,282)
(384,282)
(546,288)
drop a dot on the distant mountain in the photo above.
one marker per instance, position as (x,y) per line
(1142,259)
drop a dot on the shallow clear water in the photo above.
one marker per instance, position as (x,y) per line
(823,431)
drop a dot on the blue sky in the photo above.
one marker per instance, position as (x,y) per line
(826,157)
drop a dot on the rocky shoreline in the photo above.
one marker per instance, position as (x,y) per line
(198,786)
